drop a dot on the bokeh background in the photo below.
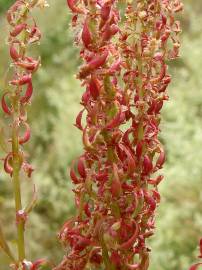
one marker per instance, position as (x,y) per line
(55,142)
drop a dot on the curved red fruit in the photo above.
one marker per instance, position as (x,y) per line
(105,11)
(26,135)
(18,29)
(147,164)
(81,167)
(28,93)
(116,184)
(23,80)
(130,159)
(86,35)
(7,167)
(98,61)
(139,149)
(161,159)
(73,176)
(78,120)
(150,200)
(4,105)
(129,243)
(94,88)
(13,53)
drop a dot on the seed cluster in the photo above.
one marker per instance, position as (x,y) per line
(23,33)
(125,77)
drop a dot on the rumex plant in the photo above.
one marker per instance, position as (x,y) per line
(17,95)
(116,179)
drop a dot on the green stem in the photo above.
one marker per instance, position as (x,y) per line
(16,185)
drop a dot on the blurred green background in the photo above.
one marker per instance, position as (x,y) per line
(55,142)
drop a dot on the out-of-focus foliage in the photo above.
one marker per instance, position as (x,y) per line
(55,142)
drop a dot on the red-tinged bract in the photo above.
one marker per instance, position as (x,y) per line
(125,76)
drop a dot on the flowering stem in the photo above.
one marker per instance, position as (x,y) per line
(23,33)
(17,190)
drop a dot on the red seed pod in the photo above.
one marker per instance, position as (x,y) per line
(78,120)
(87,210)
(115,67)
(109,31)
(162,72)
(161,159)
(158,106)
(125,137)
(155,181)
(86,97)
(139,149)
(86,35)
(12,10)
(29,64)
(156,196)
(94,87)
(7,163)
(13,53)
(28,94)
(166,80)
(130,159)
(73,176)
(130,242)
(147,164)
(18,29)
(4,105)
(105,11)
(150,200)
(82,243)
(117,120)
(25,138)
(98,61)
(116,184)
(23,80)
(81,167)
